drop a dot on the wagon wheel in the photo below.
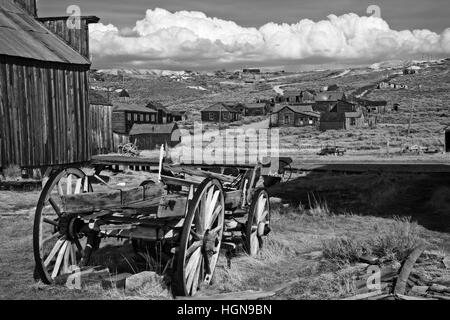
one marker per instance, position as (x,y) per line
(258,223)
(201,239)
(57,244)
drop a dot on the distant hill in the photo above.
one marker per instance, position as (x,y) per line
(142,72)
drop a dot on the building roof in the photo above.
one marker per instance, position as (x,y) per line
(132,108)
(23,36)
(297,108)
(148,128)
(329,96)
(369,103)
(124,94)
(332,117)
(97,99)
(255,105)
(357,114)
(220,106)
(156,106)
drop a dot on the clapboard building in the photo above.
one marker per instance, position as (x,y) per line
(152,136)
(44,89)
(294,116)
(126,115)
(221,112)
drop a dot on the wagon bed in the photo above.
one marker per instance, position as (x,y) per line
(184,218)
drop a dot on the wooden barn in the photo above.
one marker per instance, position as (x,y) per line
(325,101)
(126,115)
(221,112)
(100,111)
(294,116)
(163,115)
(257,109)
(44,89)
(152,136)
(294,97)
(341,120)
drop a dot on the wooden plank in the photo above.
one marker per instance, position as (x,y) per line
(200,173)
(179,182)
(400,286)
(89,202)
(233,199)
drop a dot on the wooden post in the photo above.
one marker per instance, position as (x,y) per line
(402,279)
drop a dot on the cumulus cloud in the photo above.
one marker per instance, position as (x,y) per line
(193,39)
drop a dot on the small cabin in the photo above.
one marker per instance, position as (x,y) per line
(220,112)
(294,116)
(152,136)
(126,115)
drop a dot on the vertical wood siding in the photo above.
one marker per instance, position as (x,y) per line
(44,113)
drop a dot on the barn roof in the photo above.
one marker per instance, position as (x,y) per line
(255,105)
(23,36)
(329,96)
(132,108)
(148,128)
(156,106)
(357,114)
(370,103)
(220,106)
(297,109)
(332,117)
(98,99)
(124,94)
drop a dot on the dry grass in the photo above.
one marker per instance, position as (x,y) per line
(391,241)
(12,172)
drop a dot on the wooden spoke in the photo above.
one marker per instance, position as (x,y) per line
(52,222)
(258,220)
(53,236)
(60,188)
(193,247)
(59,259)
(73,257)
(201,238)
(195,235)
(214,216)
(54,253)
(78,186)
(65,266)
(211,210)
(69,184)
(54,206)
(196,278)
(192,266)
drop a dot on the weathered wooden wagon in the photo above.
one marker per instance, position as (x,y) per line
(186,216)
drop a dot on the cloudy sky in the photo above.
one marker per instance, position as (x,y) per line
(208,34)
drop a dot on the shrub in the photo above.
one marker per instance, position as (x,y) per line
(343,250)
(12,172)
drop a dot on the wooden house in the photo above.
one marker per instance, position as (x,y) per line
(152,136)
(44,88)
(341,120)
(179,116)
(100,116)
(257,109)
(370,106)
(324,101)
(220,112)
(294,116)
(126,115)
(163,115)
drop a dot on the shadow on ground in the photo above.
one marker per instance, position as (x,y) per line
(424,197)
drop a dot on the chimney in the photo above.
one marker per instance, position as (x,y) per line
(28,5)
